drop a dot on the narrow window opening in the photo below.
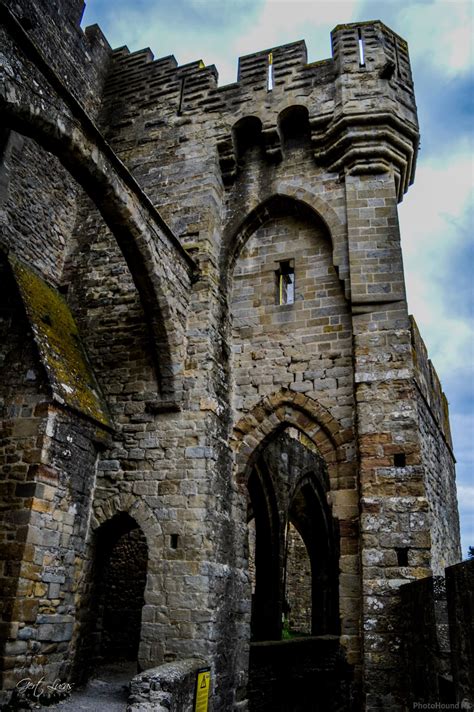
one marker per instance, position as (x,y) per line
(285,283)
(174,538)
(399,459)
(402,556)
(397,58)
(361,49)
(181,96)
(270,72)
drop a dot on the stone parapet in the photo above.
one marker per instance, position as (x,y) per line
(429,384)
(359,104)
(166,688)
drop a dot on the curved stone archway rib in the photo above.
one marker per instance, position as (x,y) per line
(36,103)
(278,411)
(288,201)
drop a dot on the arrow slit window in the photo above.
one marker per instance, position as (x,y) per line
(285,283)
(270,72)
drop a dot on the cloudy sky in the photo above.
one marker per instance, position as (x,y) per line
(436,215)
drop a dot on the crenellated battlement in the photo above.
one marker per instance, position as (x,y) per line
(369,46)
(429,384)
(359,105)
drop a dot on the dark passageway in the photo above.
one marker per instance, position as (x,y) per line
(119,584)
(296,663)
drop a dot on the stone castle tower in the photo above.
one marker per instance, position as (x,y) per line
(219,421)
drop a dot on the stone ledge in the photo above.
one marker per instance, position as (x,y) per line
(167,687)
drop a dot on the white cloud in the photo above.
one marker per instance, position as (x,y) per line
(463,424)
(466,497)
(441,31)
(282,21)
(440,194)
(433,221)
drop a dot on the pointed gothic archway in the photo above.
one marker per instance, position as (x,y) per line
(287,489)
(306,456)
(117,598)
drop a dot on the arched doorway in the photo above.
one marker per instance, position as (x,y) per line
(119,578)
(292,526)
(291,372)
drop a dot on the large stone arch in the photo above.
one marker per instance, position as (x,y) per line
(138,510)
(289,200)
(103,510)
(335,443)
(35,103)
(280,410)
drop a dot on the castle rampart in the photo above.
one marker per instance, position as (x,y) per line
(204,330)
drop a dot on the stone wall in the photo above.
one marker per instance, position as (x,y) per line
(298,584)
(38,196)
(460,588)
(437,638)
(196,195)
(79,58)
(48,467)
(168,687)
(38,207)
(438,460)
(425,641)
(304,346)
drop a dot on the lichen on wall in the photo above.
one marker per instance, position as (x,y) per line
(57,338)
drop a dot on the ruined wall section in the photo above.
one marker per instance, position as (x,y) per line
(298,584)
(460,592)
(438,460)
(425,641)
(437,638)
(48,467)
(38,196)
(79,58)
(38,208)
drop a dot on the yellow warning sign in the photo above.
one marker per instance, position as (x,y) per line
(203,684)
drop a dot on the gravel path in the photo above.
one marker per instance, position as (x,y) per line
(106,691)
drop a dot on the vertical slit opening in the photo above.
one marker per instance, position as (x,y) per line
(399,459)
(361,48)
(174,538)
(402,556)
(181,96)
(397,59)
(285,283)
(270,72)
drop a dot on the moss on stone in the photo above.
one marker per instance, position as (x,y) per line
(60,348)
